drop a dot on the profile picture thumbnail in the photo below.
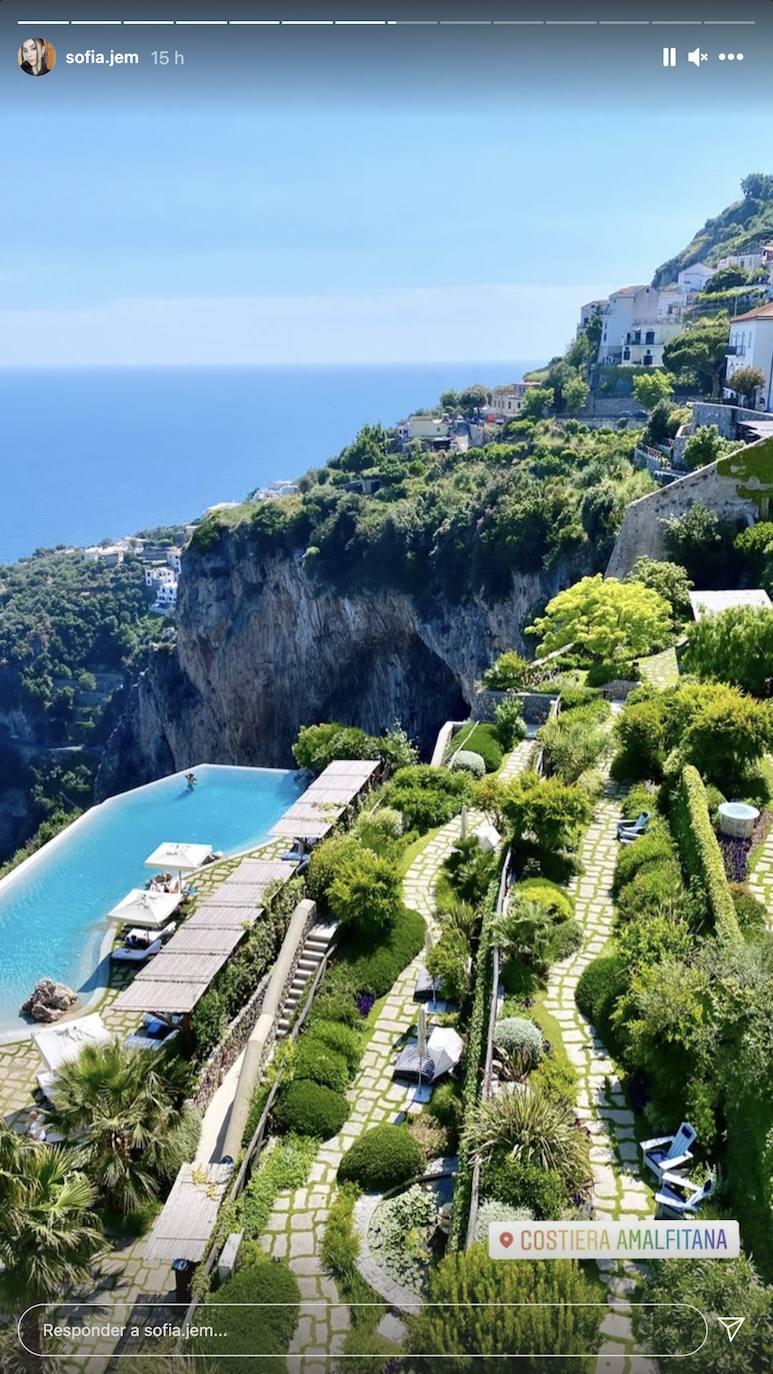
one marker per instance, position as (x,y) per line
(37,57)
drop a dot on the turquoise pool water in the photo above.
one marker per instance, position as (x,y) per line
(52,914)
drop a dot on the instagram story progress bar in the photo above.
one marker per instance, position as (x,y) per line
(670,55)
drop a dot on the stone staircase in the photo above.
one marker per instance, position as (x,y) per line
(315,948)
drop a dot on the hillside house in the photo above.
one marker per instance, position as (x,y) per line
(506,401)
(638,323)
(693,279)
(751,345)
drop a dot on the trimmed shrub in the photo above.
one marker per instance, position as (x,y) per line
(342,1039)
(381,1159)
(654,886)
(325,861)
(316,1061)
(468,762)
(574,697)
(639,798)
(557,1076)
(365,892)
(261,1281)
(597,991)
(483,739)
(310,1109)
(449,962)
(654,847)
(700,852)
(515,1035)
(565,939)
(335,1007)
(426,796)
(378,830)
(640,733)
(375,970)
(523,1185)
(549,895)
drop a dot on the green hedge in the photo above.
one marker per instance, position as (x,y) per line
(381,1159)
(481,739)
(372,967)
(248,1332)
(699,850)
(474,1054)
(309,1109)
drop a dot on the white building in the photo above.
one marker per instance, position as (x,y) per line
(638,322)
(588,311)
(109,554)
(748,262)
(160,577)
(423,427)
(166,597)
(174,560)
(751,345)
(692,279)
(506,401)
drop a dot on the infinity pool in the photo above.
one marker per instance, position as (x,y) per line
(52,909)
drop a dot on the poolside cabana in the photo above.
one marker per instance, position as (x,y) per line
(151,910)
(182,1230)
(59,1045)
(323,803)
(180,858)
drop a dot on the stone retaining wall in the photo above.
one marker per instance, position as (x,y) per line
(536,705)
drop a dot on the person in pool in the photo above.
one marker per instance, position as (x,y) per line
(191,780)
(35,57)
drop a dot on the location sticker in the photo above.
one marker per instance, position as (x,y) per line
(506,1239)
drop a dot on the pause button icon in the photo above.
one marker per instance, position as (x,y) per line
(669,57)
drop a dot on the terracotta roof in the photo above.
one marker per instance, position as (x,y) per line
(763,312)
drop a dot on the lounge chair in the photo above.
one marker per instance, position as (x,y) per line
(629,830)
(666,1153)
(127,955)
(679,1197)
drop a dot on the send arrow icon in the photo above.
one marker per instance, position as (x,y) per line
(732,1325)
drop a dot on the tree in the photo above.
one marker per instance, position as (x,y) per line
(608,620)
(703,447)
(697,355)
(745,381)
(756,545)
(365,893)
(49,1237)
(703,544)
(724,279)
(478,1307)
(507,673)
(734,647)
(450,400)
(576,393)
(550,811)
(449,963)
(757,186)
(474,398)
(727,733)
(665,1318)
(125,1108)
(669,580)
(651,387)
(537,403)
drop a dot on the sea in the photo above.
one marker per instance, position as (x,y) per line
(90,455)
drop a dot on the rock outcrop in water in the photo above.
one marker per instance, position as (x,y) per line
(263,648)
(49,1001)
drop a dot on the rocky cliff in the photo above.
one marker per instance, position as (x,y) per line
(264,648)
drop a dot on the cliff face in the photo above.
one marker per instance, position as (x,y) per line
(263,649)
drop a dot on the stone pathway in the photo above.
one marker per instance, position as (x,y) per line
(760,879)
(296,1226)
(660,670)
(617,1187)
(518,761)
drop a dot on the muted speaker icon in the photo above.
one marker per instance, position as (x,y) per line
(697,57)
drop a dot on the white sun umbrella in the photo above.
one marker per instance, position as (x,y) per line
(422,1092)
(61,1044)
(444,1048)
(151,910)
(181,858)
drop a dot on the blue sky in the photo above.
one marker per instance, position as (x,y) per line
(254,228)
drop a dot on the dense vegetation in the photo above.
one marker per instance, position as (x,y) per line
(736,229)
(450,522)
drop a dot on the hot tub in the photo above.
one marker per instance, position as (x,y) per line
(737,819)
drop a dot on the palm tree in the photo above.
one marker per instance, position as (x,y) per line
(126,1109)
(49,1237)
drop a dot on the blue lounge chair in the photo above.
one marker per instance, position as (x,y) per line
(669,1152)
(679,1197)
(630,829)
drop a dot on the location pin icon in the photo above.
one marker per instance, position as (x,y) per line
(506,1239)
